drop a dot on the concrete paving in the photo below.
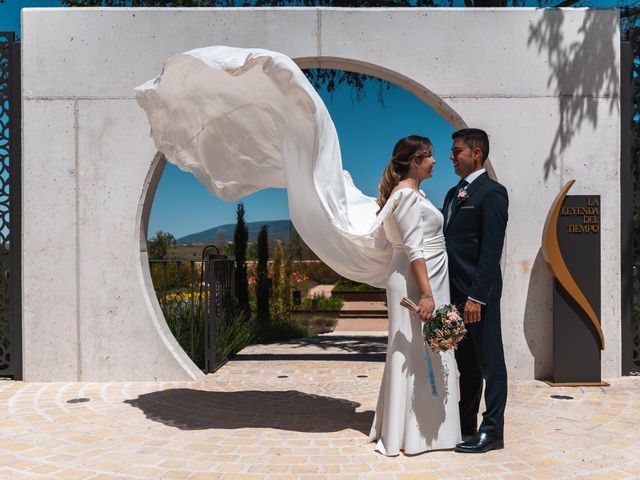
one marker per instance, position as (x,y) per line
(300,409)
(362,326)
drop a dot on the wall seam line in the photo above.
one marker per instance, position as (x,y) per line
(397,82)
(319,27)
(77,208)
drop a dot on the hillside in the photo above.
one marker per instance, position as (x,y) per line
(278,230)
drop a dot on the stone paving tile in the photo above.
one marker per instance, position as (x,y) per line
(299,409)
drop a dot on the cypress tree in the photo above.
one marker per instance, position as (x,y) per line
(262,280)
(277,305)
(286,283)
(240,238)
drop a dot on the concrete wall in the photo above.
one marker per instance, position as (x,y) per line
(543,83)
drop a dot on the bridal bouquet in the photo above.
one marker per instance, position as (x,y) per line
(444,331)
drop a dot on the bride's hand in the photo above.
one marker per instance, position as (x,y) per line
(426,306)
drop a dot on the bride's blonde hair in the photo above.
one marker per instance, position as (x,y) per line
(405,150)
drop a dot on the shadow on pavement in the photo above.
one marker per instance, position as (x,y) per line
(190,409)
(357,344)
(327,348)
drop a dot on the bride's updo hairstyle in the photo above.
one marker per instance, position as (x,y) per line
(398,167)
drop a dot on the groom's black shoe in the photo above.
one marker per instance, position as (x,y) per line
(480,443)
(468,433)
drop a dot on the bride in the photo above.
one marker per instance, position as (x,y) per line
(242,120)
(417,406)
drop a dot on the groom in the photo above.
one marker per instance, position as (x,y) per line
(475,220)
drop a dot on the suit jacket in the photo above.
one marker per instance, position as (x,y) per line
(474,235)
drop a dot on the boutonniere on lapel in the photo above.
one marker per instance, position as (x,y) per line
(462,197)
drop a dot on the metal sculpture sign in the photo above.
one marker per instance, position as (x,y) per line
(571,247)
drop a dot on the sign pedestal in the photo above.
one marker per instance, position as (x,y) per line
(576,350)
(572,249)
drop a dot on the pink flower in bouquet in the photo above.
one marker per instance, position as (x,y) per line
(452,318)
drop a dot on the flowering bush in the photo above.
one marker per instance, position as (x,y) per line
(197,296)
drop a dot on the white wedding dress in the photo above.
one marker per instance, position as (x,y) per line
(417,406)
(242,120)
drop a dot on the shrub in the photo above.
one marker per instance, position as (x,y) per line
(278,331)
(313,324)
(350,285)
(320,302)
(184,313)
(171,275)
(235,334)
(317,271)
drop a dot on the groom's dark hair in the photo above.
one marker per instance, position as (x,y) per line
(474,137)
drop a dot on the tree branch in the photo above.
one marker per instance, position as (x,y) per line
(629,12)
(566,3)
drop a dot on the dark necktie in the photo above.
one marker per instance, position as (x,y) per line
(461,184)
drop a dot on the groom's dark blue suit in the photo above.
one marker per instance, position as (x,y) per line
(474,232)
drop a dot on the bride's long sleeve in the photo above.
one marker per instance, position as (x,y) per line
(407,216)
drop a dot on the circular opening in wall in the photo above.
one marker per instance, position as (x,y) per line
(180,217)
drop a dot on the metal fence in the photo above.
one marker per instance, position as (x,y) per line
(196,298)
(630,204)
(220,311)
(10,121)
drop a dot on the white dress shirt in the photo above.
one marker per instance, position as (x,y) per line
(472,176)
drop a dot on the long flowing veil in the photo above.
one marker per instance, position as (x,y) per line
(242,120)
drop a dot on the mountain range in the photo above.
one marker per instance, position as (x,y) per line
(278,230)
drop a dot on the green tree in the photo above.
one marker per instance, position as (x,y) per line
(240,238)
(278,313)
(158,246)
(295,247)
(262,278)
(252,251)
(285,294)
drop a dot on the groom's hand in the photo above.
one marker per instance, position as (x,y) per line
(472,311)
